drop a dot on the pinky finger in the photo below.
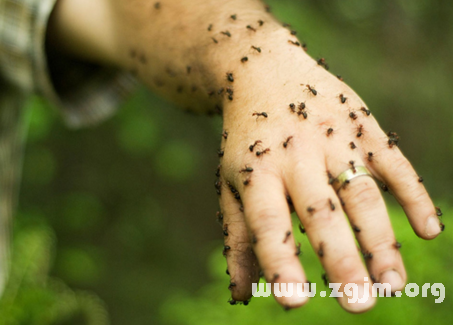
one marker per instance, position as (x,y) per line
(242,263)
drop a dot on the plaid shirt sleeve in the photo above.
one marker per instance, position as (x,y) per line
(84,93)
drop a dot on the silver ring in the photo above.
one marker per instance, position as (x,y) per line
(345,177)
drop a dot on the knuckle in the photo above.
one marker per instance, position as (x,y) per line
(348,268)
(364,193)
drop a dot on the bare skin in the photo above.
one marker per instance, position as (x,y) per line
(193,52)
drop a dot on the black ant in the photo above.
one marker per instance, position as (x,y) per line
(260,153)
(217,173)
(302,229)
(365,111)
(225,134)
(370,156)
(304,47)
(294,43)
(292,107)
(442,227)
(230,77)
(393,139)
(397,245)
(359,130)
(285,144)
(225,230)
(331,178)
(439,212)
(232,284)
(227,33)
(251,28)
(260,22)
(157,5)
(340,77)
(230,93)
(220,91)
(384,187)
(303,113)
(214,40)
(367,255)
(352,164)
(247,169)
(220,153)
(233,17)
(298,251)
(209,27)
(352,145)
(311,89)
(247,181)
(232,302)
(244,59)
(302,106)
(241,208)
(310,210)
(252,146)
(227,272)
(218,186)
(343,99)
(355,228)
(322,62)
(256,49)
(293,32)
(289,200)
(353,115)
(225,250)
(321,249)
(263,114)
(420,179)
(288,233)
(219,217)
(332,205)
(329,131)
(325,279)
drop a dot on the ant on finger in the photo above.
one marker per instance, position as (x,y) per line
(252,146)
(261,153)
(258,114)
(311,89)
(285,144)
(247,169)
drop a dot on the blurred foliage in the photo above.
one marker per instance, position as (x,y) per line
(133,206)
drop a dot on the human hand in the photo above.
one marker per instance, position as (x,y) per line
(272,150)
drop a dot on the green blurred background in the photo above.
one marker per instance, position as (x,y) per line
(116,224)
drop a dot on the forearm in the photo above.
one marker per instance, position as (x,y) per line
(185,49)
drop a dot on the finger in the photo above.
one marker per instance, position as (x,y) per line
(399,175)
(268,219)
(329,233)
(242,264)
(368,215)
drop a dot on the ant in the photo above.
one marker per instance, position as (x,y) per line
(302,229)
(260,22)
(225,134)
(352,145)
(331,178)
(294,43)
(256,49)
(322,62)
(288,233)
(292,107)
(303,113)
(352,164)
(321,249)
(263,114)
(370,156)
(225,230)
(244,59)
(246,182)
(241,208)
(393,139)
(340,77)
(214,40)
(311,89)
(367,255)
(232,302)
(293,32)
(343,100)
(302,106)
(442,227)
(286,25)
(365,111)
(329,131)
(285,144)
(230,93)
(304,47)
(157,5)
(359,130)
(353,115)
(310,210)
(209,27)
(252,146)
(230,77)
(227,33)
(219,217)
(298,251)
(397,245)
(227,272)
(355,228)
(289,200)
(232,284)
(384,187)
(439,212)
(225,250)
(260,153)
(251,28)
(325,279)
(233,17)
(220,153)
(420,179)
(217,173)
(220,91)
(218,186)
(247,169)
(332,205)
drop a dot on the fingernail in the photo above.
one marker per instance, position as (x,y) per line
(432,226)
(393,278)
(358,307)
